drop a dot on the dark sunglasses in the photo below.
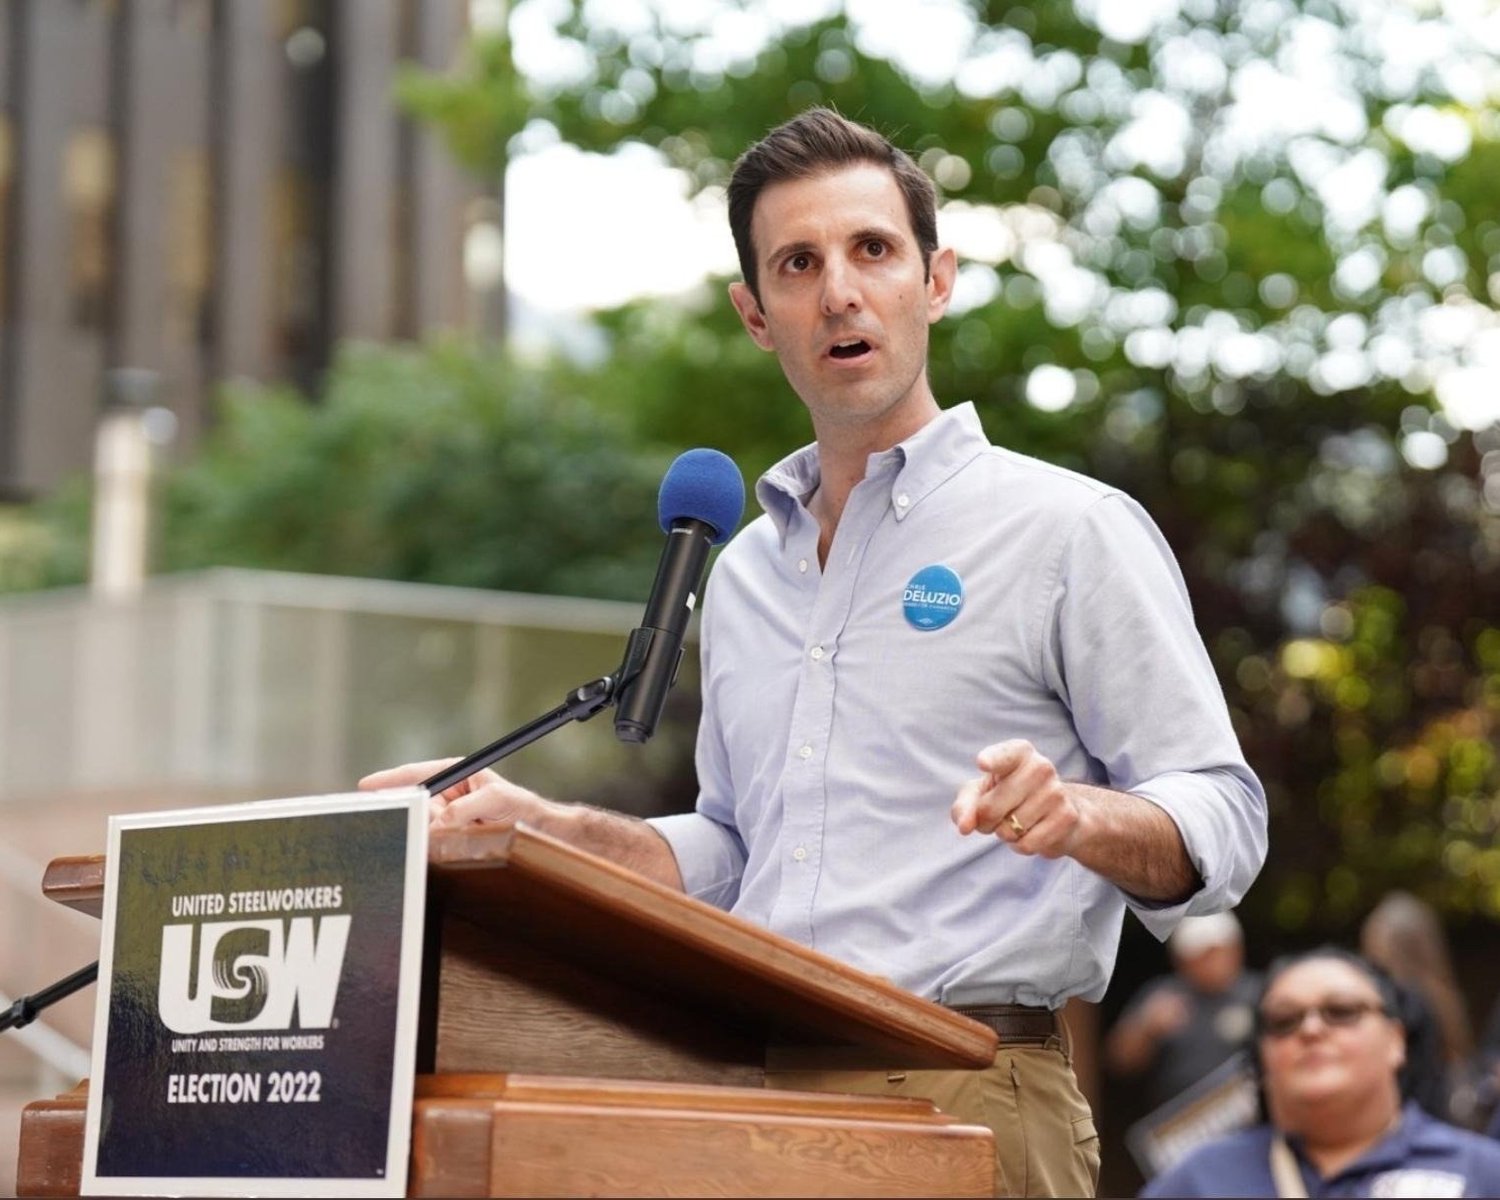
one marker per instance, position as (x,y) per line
(1336,1014)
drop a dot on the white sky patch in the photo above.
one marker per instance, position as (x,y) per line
(978,232)
(1351,193)
(798,12)
(1469,388)
(627,18)
(1141,309)
(1470,396)
(1192,63)
(1403,212)
(975,286)
(572,246)
(1051,388)
(1358,272)
(1129,21)
(928,38)
(1272,104)
(1240,355)
(1441,133)
(1424,449)
(1156,137)
(1001,63)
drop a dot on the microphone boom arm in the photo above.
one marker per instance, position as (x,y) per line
(25,1010)
(582,703)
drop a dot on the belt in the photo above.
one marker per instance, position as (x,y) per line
(1017,1024)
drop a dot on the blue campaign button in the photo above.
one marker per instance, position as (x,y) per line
(932,597)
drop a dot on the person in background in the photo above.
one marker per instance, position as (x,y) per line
(1181,1026)
(1486,1068)
(1404,937)
(1329,1046)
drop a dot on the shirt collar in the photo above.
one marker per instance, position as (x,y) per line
(916,467)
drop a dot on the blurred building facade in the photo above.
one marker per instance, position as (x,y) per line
(204,190)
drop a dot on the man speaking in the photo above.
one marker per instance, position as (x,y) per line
(915,604)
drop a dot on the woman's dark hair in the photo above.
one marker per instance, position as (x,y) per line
(810,144)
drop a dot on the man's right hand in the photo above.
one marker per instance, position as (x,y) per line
(489,797)
(484,796)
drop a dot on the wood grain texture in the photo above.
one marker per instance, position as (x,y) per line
(450,1146)
(556,1089)
(478,1135)
(508,1005)
(76,882)
(634,929)
(50,1162)
(577,1150)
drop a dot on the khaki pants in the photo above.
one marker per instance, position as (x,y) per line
(1045,1142)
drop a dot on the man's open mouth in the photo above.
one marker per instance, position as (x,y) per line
(850,349)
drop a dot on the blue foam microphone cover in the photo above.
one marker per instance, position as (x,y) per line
(702,485)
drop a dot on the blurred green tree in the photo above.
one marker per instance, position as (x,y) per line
(444,464)
(1236,258)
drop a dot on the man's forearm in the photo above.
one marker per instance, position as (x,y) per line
(1134,844)
(628,841)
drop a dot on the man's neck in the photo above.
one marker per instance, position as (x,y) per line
(843,458)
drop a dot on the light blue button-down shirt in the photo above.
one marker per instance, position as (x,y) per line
(836,732)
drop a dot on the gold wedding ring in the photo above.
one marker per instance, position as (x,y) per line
(1020,830)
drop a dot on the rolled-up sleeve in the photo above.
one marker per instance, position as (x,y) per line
(1122,649)
(710,857)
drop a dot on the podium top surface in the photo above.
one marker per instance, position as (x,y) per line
(518,882)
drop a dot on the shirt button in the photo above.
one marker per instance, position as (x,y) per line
(805,752)
(799,853)
(817,654)
(802,565)
(902,500)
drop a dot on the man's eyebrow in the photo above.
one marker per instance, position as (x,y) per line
(884,233)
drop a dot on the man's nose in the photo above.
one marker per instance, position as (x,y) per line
(840,289)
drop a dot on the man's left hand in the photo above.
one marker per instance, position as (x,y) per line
(1020,800)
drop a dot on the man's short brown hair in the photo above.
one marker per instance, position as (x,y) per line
(810,144)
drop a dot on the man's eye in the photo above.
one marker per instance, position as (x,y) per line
(799,262)
(874,248)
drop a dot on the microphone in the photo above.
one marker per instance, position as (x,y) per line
(700,503)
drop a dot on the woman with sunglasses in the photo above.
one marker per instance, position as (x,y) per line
(1329,1047)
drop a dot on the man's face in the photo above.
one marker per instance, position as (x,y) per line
(844,300)
(1343,1051)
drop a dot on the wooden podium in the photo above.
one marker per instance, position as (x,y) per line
(585,1031)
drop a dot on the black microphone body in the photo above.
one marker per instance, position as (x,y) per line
(654,651)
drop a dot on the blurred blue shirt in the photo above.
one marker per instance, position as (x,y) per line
(1422,1157)
(836,731)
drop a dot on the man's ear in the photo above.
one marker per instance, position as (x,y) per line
(940,277)
(751,316)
